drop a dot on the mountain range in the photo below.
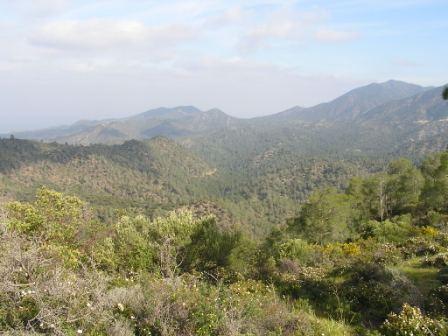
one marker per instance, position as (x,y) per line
(388,107)
(181,121)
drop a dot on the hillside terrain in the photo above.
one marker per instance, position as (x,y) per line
(175,122)
(371,259)
(377,120)
(184,222)
(367,114)
(159,173)
(386,119)
(352,104)
(145,174)
(257,170)
(223,168)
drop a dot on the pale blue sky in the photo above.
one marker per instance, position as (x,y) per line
(64,60)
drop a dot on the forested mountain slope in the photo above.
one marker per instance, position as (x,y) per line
(355,125)
(371,259)
(159,173)
(154,172)
(352,104)
(188,122)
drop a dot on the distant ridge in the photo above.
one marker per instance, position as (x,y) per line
(367,113)
(163,112)
(170,122)
(348,106)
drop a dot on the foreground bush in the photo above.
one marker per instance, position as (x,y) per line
(411,321)
(63,273)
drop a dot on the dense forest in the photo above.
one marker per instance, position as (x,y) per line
(158,175)
(370,258)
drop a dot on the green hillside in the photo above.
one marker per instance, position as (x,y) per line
(150,174)
(260,190)
(368,260)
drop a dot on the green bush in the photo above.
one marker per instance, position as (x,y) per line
(209,248)
(297,250)
(396,230)
(411,321)
(439,260)
(438,300)
(327,216)
(374,291)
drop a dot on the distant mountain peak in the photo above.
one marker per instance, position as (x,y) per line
(355,102)
(396,81)
(422,108)
(215,111)
(399,87)
(162,111)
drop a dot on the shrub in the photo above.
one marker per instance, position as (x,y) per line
(438,300)
(421,246)
(443,275)
(411,321)
(439,260)
(436,219)
(131,246)
(209,249)
(243,259)
(326,217)
(297,250)
(38,293)
(374,291)
(397,230)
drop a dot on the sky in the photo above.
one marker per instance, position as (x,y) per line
(66,60)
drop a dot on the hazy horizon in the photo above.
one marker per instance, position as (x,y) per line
(11,132)
(69,60)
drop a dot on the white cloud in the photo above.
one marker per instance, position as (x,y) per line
(100,34)
(36,8)
(265,34)
(292,26)
(330,35)
(53,95)
(225,18)
(70,59)
(283,29)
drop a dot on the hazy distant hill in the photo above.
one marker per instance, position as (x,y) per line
(285,153)
(419,123)
(170,122)
(420,109)
(356,112)
(352,104)
(378,119)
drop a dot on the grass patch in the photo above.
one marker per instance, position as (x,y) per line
(423,277)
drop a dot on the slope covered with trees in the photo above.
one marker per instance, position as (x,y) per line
(159,174)
(157,170)
(368,260)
